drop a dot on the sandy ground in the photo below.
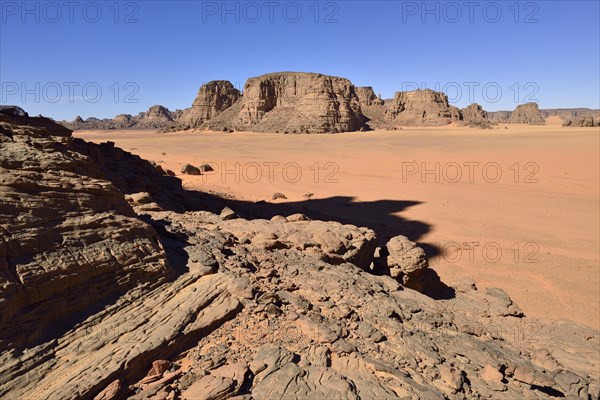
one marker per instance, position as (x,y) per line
(515,208)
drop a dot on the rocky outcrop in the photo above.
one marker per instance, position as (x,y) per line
(583,122)
(528,113)
(13,110)
(316,324)
(294,102)
(366,96)
(422,107)
(213,98)
(70,240)
(155,117)
(474,112)
(474,115)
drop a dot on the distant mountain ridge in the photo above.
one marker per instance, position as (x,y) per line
(302,102)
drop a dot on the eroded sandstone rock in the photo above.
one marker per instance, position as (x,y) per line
(422,107)
(294,102)
(366,96)
(213,98)
(528,113)
(475,116)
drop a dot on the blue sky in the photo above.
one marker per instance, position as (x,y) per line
(102,58)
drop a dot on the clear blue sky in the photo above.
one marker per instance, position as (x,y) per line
(545,50)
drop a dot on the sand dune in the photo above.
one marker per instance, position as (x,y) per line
(534,228)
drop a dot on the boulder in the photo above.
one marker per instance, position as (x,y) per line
(189,169)
(405,258)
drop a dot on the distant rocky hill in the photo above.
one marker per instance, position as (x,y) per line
(301,102)
(157,117)
(570,113)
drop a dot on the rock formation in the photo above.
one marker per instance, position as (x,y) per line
(155,117)
(117,283)
(474,115)
(70,241)
(422,107)
(499,116)
(294,102)
(528,113)
(583,122)
(213,98)
(366,96)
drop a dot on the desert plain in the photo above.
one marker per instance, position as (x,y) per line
(514,207)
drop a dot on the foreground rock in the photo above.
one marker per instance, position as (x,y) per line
(422,107)
(316,324)
(294,102)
